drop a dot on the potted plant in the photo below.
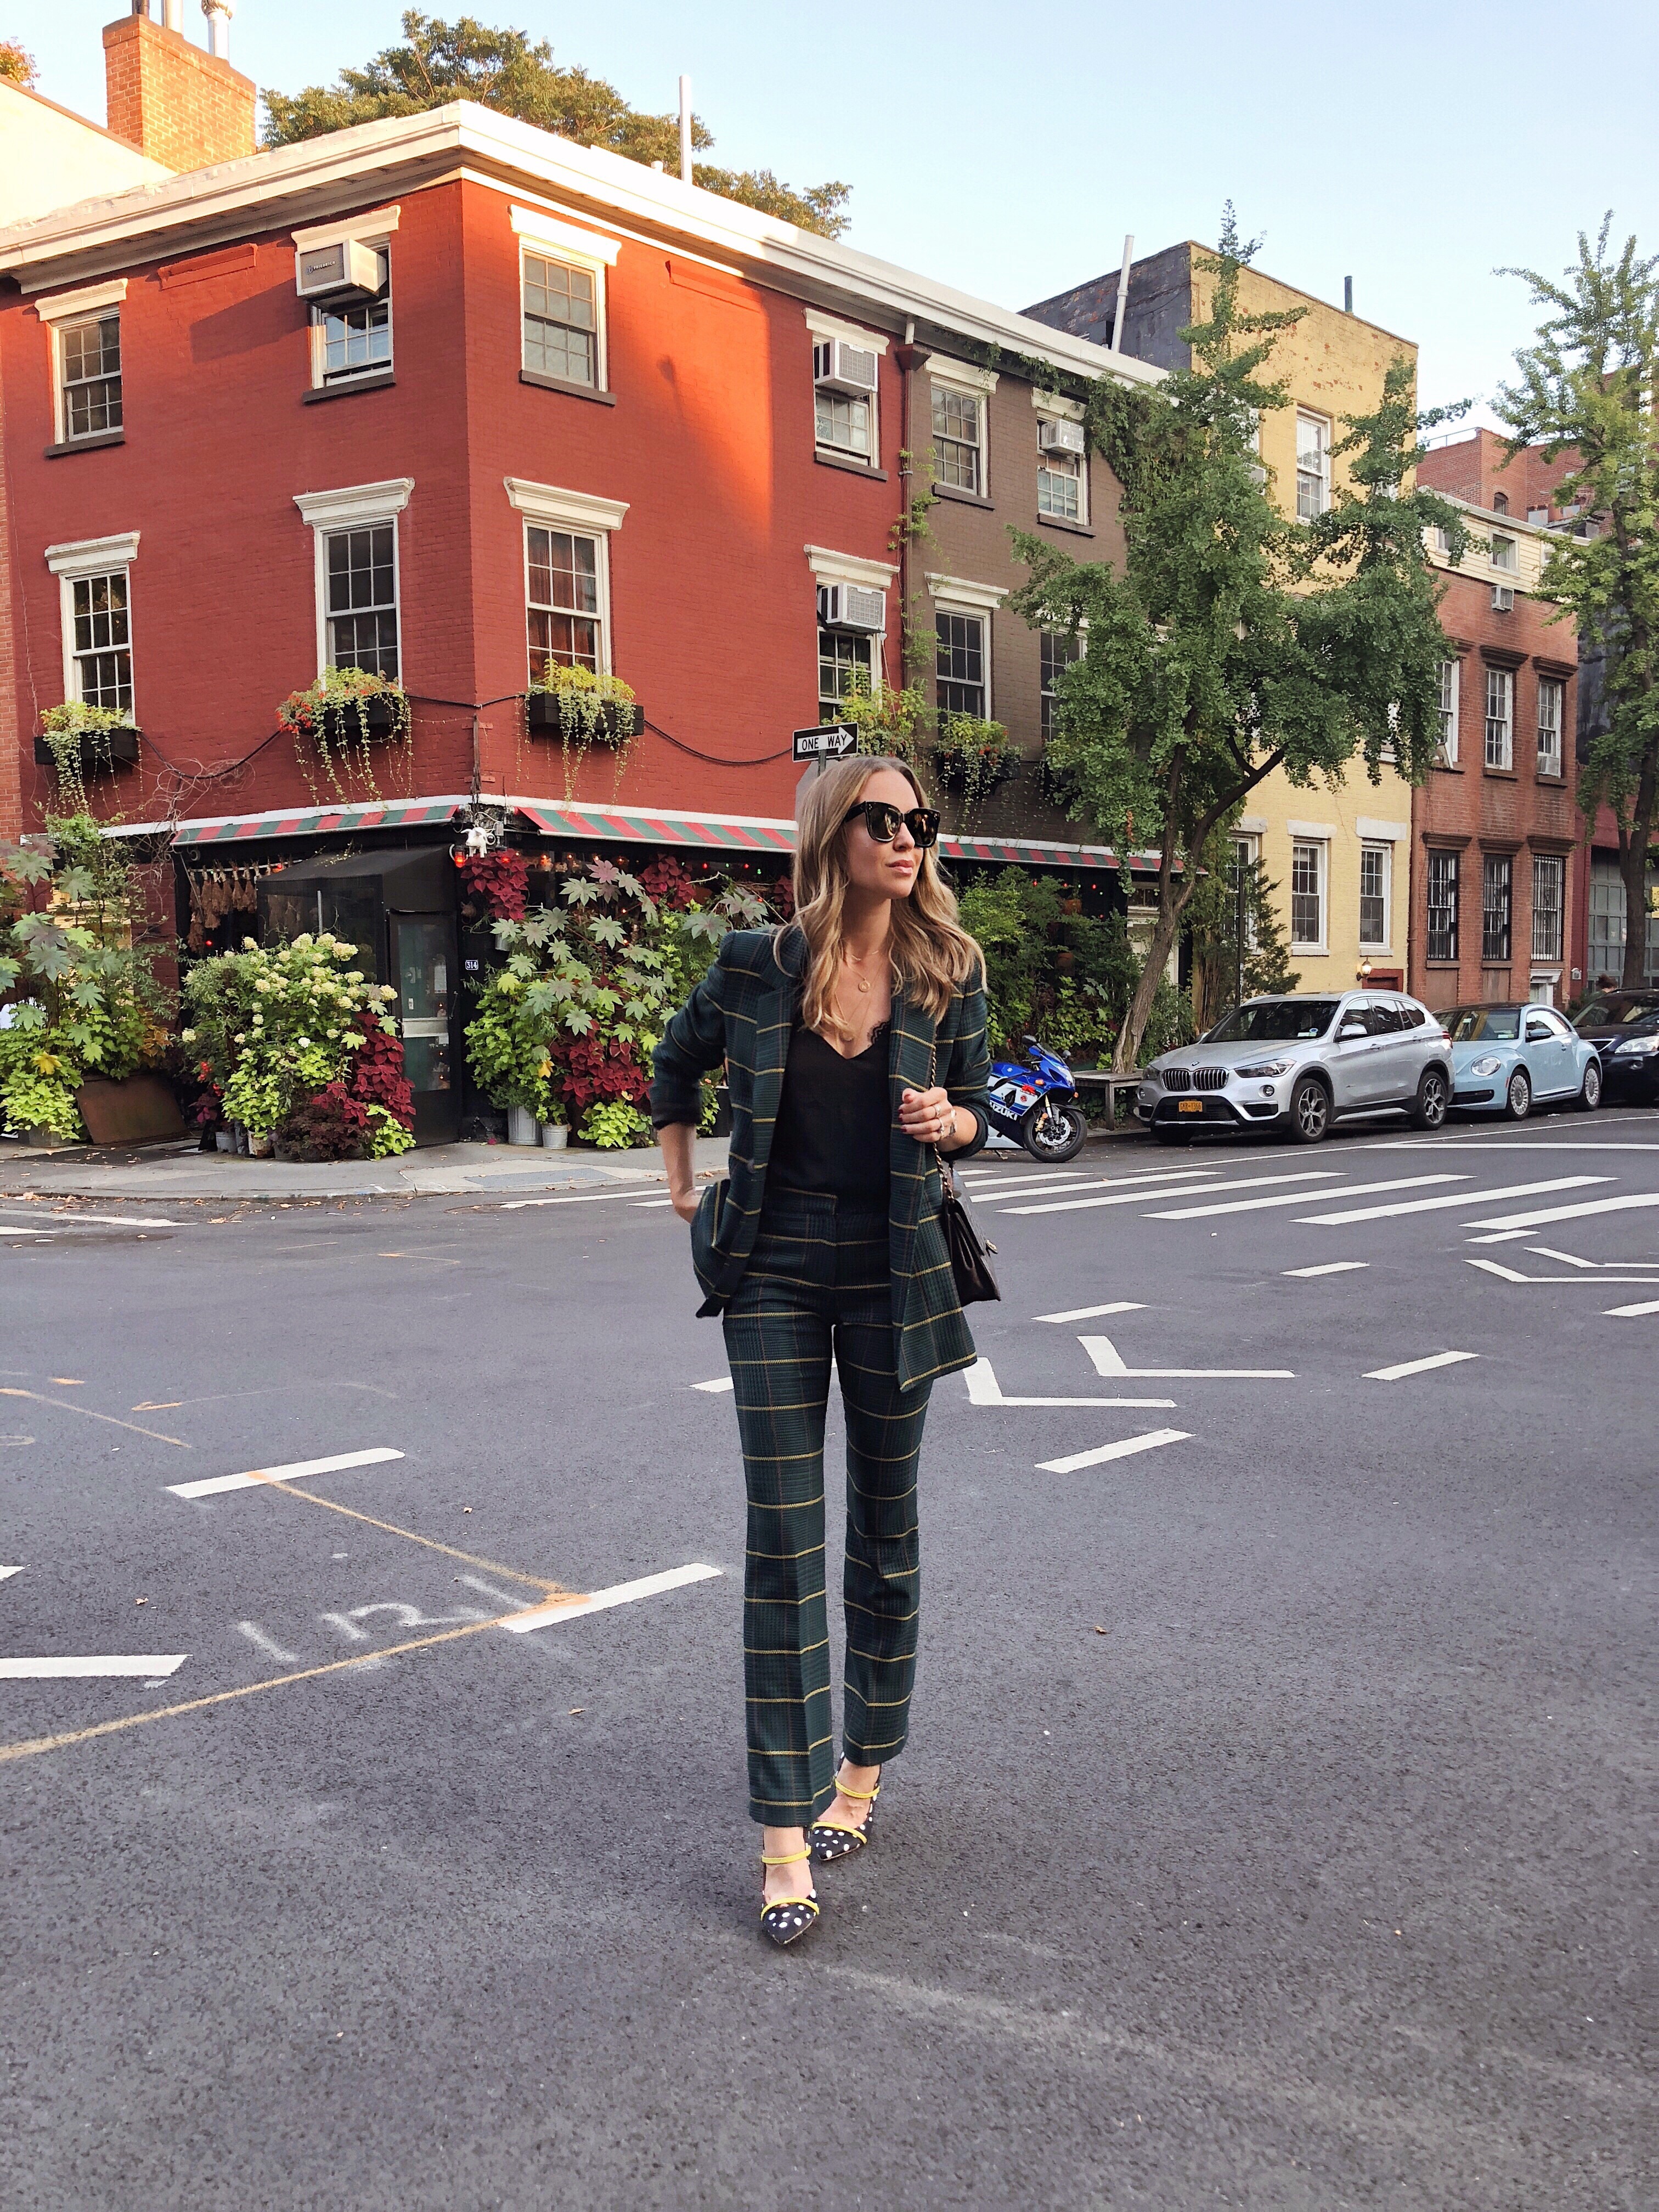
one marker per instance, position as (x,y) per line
(886,721)
(973,757)
(79,740)
(582,708)
(341,717)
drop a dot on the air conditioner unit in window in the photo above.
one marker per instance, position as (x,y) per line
(346,270)
(850,606)
(1060,437)
(838,367)
(1502,599)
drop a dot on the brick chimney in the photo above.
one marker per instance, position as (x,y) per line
(183,107)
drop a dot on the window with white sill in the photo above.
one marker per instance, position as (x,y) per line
(1549,871)
(565,579)
(958,439)
(89,375)
(961,664)
(561,307)
(1497,894)
(1551,693)
(1313,466)
(360,567)
(1500,718)
(1060,486)
(1308,860)
(1451,674)
(352,339)
(844,663)
(1376,871)
(100,639)
(1056,651)
(1442,904)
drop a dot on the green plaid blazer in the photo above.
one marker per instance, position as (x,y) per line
(742,1012)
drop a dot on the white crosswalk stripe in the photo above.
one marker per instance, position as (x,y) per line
(1108,1361)
(1187,1189)
(1038,1187)
(984,1389)
(1507,1221)
(1125,1449)
(1461,1198)
(1300,1197)
(1418,1366)
(1629,1313)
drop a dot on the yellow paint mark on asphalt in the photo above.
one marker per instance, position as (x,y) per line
(157,1405)
(67,1381)
(32,1746)
(69,1406)
(390,1528)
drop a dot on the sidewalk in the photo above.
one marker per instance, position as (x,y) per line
(172,1172)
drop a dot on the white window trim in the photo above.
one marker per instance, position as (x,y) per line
(1082,460)
(1455,661)
(318,323)
(90,556)
(1057,408)
(1312,833)
(357,507)
(960,595)
(984,610)
(943,369)
(1385,943)
(826,326)
(1303,833)
(1251,825)
(601,537)
(831,567)
(368,229)
(563,240)
(549,250)
(1312,414)
(555,508)
(1381,833)
(961,376)
(91,300)
(1558,732)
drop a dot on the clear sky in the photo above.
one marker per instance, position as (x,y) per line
(1007,149)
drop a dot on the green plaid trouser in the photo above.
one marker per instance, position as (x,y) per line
(817,1278)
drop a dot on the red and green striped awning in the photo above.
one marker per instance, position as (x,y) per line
(575,822)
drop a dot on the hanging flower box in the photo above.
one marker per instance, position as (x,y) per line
(973,756)
(583,708)
(92,751)
(376,718)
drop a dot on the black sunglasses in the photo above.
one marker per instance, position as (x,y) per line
(882,821)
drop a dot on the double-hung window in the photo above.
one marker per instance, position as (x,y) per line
(1500,718)
(1550,692)
(1059,486)
(1443,872)
(89,357)
(352,338)
(94,582)
(958,439)
(1450,671)
(1313,466)
(561,319)
(1503,555)
(843,666)
(1057,650)
(1549,871)
(961,663)
(1497,887)
(1376,868)
(565,623)
(1308,895)
(361,598)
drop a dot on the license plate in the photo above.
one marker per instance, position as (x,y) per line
(1190,1106)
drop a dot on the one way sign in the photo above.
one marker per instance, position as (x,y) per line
(830,741)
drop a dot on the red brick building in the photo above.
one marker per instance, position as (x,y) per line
(568,404)
(1496,867)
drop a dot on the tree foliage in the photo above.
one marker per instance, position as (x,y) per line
(441,61)
(17,65)
(1588,388)
(1237,642)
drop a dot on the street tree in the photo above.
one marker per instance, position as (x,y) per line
(1236,641)
(1588,390)
(441,61)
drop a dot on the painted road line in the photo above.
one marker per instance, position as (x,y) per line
(1566,1212)
(4,1572)
(1330,1267)
(575,1198)
(1418,1366)
(1125,1449)
(69,1405)
(719,1383)
(1187,1189)
(1503,1237)
(984,1389)
(1300,1197)
(1548,1252)
(654,1201)
(1093,1313)
(1607,1282)
(1104,1354)
(1198,1178)
(153,1665)
(544,1616)
(258,1476)
(1629,1313)
(1457,1197)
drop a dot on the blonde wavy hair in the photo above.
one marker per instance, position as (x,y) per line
(933,955)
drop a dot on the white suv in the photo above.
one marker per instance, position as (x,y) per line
(1299,1063)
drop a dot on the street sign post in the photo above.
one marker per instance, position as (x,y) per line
(829,741)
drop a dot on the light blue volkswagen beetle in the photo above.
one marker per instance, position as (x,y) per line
(1509,1059)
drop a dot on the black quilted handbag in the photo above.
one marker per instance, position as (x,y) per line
(969,1263)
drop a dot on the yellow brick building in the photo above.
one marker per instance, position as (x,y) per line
(1337,853)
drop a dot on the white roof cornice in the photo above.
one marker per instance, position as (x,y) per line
(328,176)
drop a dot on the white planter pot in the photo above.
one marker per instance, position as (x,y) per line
(556,1136)
(521,1125)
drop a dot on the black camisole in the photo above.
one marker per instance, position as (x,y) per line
(835,1121)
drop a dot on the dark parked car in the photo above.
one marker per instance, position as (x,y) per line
(1624,1027)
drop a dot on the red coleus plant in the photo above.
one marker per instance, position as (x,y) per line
(496,883)
(596,1071)
(377,1073)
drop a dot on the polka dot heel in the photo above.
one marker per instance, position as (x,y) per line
(787,1921)
(832,1839)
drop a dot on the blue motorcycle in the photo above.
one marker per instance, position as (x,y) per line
(1034,1101)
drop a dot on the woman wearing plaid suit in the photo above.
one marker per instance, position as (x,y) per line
(855,1046)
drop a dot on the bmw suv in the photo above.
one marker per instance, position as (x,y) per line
(1300,1062)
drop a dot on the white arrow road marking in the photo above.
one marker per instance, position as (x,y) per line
(252,1481)
(1188,1189)
(1629,1313)
(1108,1361)
(1563,1212)
(1125,1449)
(1300,1197)
(983,1390)
(1594,1282)
(719,1383)
(544,1616)
(155,1664)
(1330,1267)
(1418,1366)
(1094,1313)
(1461,1198)
(1548,1252)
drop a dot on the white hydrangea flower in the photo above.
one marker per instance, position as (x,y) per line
(187,1037)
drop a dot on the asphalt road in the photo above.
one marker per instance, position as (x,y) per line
(1275,1825)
